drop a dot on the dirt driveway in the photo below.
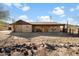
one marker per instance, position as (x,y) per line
(4,34)
(37,37)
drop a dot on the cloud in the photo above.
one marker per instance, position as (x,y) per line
(58,10)
(77,7)
(64,21)
(25,8)
(62,15)
(8,4)
(70,21)
(72,9)
(21,17)
(62,7)
(22,6)
(44,19)
(25,18)
(19,6)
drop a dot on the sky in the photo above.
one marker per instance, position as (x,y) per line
(44,12)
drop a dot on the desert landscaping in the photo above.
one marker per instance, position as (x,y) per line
(38,44)
(39,29)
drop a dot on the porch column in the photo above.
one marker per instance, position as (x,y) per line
(64,29)
(43,29)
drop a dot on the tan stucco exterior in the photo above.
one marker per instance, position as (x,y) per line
(73,29)
(23,28)
(47,28)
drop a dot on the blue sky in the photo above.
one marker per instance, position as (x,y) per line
(44,12)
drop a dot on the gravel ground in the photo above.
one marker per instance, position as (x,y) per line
(57,45)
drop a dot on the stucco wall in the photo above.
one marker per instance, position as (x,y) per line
(23,28)
(48,28)
(73,30)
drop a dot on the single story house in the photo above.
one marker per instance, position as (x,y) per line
(23,26)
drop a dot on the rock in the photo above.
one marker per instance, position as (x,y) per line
(41,51)
(77,45)
(66,46)
(18,49)
(72,45)
(1,50)
(7,50)
(42,45)
(29,47)
(26,53)
(2,54)
(61,44)
(77,53)
(61,51)
(30,53)
(15,37)
(17,54)
(74,48)
(50,47)
(34,47)
(34,52)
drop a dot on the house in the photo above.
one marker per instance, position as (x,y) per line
(73,29)
(23,26)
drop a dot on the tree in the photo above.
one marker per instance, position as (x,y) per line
(3,15)
(4,12)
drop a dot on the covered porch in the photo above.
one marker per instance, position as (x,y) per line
(48,28)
